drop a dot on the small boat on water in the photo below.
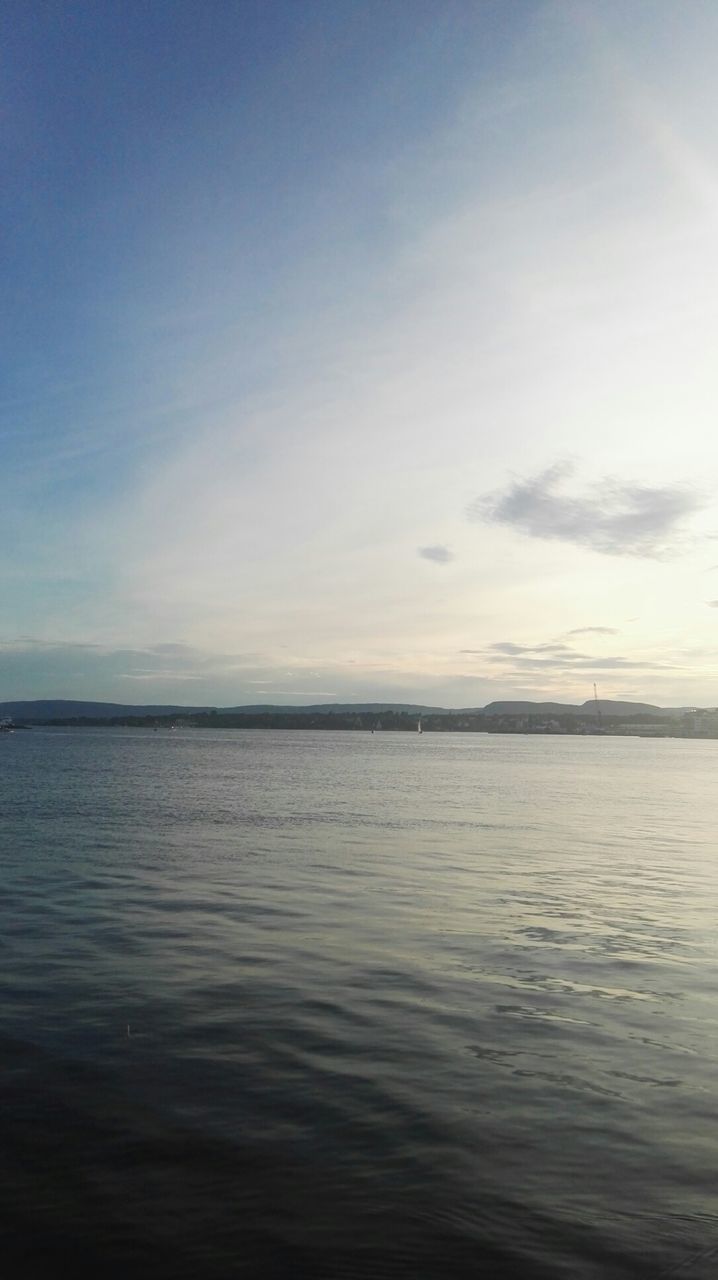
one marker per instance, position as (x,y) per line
(6,725)
(419,728)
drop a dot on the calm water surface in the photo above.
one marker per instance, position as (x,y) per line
(349,1005)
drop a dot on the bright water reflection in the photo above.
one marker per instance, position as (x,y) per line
(437,1006)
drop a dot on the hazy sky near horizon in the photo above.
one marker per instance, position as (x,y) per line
(359,350)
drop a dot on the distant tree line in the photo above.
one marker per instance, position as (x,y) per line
(364,721)
(394,722)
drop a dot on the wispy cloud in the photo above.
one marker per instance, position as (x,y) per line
(595,631)
(559,658)
(30,642)
(610,517)
(514,650)
(310,693)
(156,674)
(439,554)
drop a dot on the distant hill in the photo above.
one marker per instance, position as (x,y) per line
(47,710)
(530,709)
(629,708)
(63,709)
(605,706)
(338,708)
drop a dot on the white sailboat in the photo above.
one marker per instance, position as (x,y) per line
(419,728)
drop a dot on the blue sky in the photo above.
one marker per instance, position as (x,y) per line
(359,351)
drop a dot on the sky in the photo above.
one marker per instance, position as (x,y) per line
(359,351)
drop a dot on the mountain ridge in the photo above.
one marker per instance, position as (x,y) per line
(45,710)
(606,706)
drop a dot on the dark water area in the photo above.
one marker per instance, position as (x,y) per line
(349,1005)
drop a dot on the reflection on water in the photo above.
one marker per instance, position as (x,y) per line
(288,1004)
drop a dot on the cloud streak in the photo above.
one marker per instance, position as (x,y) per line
(439,554)
(608,516)
(594,631)
(561,659)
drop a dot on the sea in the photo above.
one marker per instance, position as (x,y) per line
(345,1005)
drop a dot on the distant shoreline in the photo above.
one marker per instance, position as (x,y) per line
(398,722)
